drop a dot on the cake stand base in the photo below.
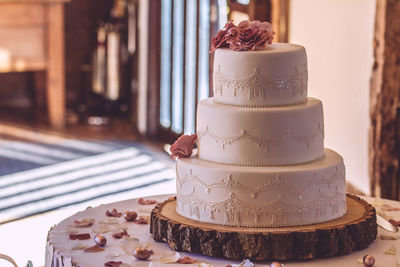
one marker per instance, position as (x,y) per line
(354,231)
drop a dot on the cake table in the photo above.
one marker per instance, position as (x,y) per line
(60,252)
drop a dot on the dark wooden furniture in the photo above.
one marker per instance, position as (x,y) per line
(32,39)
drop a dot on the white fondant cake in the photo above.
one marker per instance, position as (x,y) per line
(261,160)
(268,136)
(271,77)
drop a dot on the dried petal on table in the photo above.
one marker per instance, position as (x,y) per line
(170,257)
(391,251)
(387,237)
(113,254)
(70,230)
(387,207)
(360,261)
(141,220)
(94,249)
(102,229)
(143,201)
(109,221)
(113,264)
(79,236)
(203,264)
(120,234)
(142,253)
(186,260)
(78,246)
(244,263)
(83,223)
(113,213)
(394,222)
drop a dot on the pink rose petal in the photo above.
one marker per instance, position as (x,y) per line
(113,263)
(186,260)
(94,249)
(79,236)
(141,220)
(113,213)
(84,223)
(387,207)
(183,146)
(120,234)
(143,201)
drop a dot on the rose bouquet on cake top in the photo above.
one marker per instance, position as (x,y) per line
(247,36)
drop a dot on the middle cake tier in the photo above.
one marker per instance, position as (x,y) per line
(267,136)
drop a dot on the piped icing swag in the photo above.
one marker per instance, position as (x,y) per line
(247,36)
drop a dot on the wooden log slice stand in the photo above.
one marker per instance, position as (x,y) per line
(354,231)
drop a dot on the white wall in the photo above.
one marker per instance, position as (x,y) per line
(338,35)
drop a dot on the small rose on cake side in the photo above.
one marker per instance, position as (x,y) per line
(183,146)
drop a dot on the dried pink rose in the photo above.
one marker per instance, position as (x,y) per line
(222,36)
(251,35)
(183,146)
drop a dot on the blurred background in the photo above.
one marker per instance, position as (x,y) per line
(92,91)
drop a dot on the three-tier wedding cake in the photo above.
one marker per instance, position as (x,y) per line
(261,160)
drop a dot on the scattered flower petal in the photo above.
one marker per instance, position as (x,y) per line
(394,222)
(387,207)
(143,201)
(183,146)
(391,251)
(170,257)
(79,236)
(70,230)
(141,220)
(387,237)
(113,264)
(109,221)
(186,260)
(113,213)
(360,261)
(84,223)
(102,229)
(78,246)
(120,234)
(244,263)
(142,253)
(113,254)
(94,249)
(203,264)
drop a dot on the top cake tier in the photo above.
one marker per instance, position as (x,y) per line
(275,76)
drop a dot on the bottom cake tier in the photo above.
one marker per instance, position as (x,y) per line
(262,196)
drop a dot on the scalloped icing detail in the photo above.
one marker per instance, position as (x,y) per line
(263,164)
